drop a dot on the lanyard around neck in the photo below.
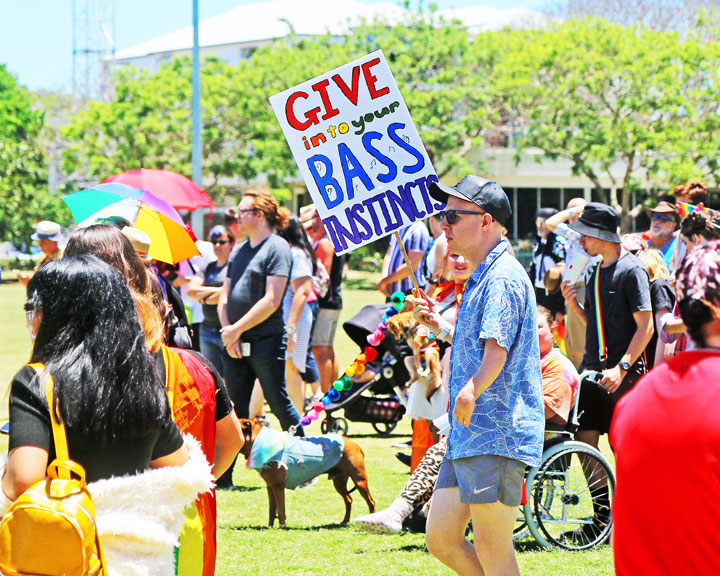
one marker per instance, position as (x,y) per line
(602,344)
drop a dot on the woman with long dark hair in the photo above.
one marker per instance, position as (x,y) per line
(142,475)
(297,315)
(108,394)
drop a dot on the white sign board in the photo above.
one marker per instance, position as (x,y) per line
(358,151)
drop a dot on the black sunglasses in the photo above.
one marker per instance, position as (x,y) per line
(221,242)
(249,210)
(452,216)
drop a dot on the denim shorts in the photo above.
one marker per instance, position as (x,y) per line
(483,479)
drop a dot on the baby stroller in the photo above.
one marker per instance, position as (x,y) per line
(383,406)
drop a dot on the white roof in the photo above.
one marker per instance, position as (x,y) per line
(267,20)
(252,23)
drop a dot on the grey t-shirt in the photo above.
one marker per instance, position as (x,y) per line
(248,272)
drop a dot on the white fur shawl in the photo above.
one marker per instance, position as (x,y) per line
(140,517)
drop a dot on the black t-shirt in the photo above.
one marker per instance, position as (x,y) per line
(248,273)
(215,277)
(223,404)
(624,290)
(30,426)
(661,296)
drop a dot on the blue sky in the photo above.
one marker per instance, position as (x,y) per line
(36,35)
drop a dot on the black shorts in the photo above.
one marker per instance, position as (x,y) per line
(597,406)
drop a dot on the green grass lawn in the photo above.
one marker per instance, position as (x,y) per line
(314,543)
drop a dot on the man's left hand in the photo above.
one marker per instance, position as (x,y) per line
(382,287)
(465,404)
(612,378)
(230,334)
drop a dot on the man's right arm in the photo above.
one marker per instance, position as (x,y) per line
(494,358)
(559,218)
(569,292)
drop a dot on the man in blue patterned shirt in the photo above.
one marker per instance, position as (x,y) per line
(496,397)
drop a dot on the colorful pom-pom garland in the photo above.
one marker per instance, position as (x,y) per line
(357,367)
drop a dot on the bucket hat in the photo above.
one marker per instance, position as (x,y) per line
(598,221)
(47,230)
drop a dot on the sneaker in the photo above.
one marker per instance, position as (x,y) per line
(406,445)
(379,523)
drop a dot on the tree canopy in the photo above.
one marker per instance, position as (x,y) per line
(632,105)
(24,197)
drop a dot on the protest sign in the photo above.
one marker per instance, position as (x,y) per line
(358,151)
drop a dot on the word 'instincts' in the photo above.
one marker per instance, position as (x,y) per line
(381,214)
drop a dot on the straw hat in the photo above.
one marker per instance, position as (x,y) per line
(140,242)
(307,214)
(552,279)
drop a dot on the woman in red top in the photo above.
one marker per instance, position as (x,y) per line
(666,434)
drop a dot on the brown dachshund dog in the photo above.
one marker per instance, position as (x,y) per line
(351,465)
(424,366)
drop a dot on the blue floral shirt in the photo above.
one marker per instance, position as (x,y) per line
(509,420)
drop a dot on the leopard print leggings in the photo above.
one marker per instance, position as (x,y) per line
(419,487)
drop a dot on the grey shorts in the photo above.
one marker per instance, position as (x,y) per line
(483,479)
(325,326)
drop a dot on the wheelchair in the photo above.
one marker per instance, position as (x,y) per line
(568,496)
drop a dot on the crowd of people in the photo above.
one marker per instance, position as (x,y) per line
(263,301)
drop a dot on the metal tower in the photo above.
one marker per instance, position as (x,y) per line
(93,48)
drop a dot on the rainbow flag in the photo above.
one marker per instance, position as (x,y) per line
(684,209)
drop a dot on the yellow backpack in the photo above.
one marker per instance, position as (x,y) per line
(50,529)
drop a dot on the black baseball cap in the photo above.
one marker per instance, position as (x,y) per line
(487,194)
(598,221)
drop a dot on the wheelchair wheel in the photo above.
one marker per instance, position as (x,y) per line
(570,497)
(384,428)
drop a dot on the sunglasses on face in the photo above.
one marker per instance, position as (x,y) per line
(660,218)
(246,210)
(221,242)
(452,216)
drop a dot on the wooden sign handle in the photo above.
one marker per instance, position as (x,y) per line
(407,261)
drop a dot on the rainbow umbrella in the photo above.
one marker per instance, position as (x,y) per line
(171,241)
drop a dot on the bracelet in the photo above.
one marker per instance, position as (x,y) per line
(290,330)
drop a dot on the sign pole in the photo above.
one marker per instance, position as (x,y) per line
(407,261)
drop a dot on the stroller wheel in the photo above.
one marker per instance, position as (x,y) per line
(384,428)
(334,426)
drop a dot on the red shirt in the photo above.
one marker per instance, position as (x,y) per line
(666,433)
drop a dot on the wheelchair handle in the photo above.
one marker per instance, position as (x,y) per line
(593,377)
